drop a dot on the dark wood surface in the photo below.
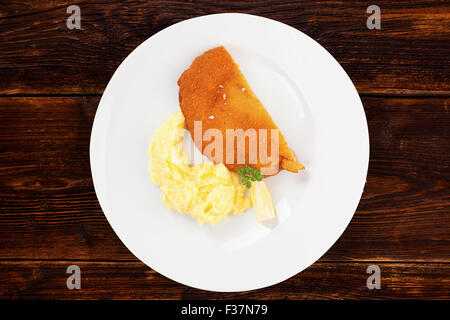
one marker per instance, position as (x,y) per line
(41,56)
(51,80)
(133,280)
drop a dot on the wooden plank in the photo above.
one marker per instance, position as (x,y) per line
(133,280)
(40,55)
(404,212)
(48,208)
(47,201)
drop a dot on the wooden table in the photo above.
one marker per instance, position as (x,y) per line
(51,80)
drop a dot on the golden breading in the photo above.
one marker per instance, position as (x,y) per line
(213,90)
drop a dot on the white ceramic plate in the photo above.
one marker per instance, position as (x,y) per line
(309,96)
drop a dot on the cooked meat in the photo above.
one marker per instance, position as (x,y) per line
(214,91)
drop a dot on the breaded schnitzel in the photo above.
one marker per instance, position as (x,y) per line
(214,91)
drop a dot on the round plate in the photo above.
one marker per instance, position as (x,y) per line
(310,98)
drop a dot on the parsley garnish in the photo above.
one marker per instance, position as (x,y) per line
(249,174)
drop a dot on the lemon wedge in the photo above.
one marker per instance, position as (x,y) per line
(262,201)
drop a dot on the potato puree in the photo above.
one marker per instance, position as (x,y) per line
(207,191)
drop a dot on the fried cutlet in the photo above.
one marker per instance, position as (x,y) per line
(214,91)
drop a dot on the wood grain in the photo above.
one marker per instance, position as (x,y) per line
(48,208)
(40,55)
(133,280)
(51,79)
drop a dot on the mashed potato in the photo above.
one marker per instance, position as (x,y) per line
(207,191)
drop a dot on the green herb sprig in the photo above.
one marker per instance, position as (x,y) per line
(248,174)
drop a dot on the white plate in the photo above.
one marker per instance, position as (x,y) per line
(311,99)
